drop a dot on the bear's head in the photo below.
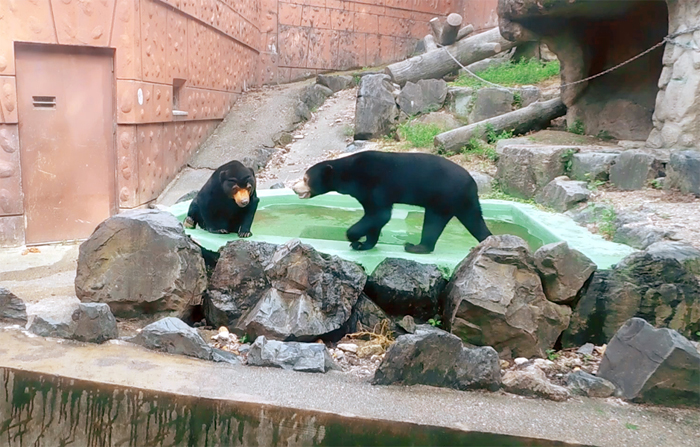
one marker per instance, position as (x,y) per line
(317,180)
(238,187)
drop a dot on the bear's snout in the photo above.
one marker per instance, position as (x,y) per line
(302,189)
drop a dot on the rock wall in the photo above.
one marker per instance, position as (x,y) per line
(656,96)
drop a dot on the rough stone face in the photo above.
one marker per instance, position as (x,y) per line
(315,95)
(404,287)
(495,298)
(684,171)
(237,282)
(563,270)
(638,234)
(173,336)
(490,102)
(484,182)
(659,284)
(523,170)
(435,357)
(528,95)
(95,323)
(584,384)
(589,166)
(562,194)
(366,316)
(532,381)
(634,168)
(652,365)
(311,294)
(12,308)
(459,101)
(441,119)
(141,262)
(376,110)
(335,83)
(307,357)
(427,95)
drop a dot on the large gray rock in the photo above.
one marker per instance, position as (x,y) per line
(335,83)
(310,294)
(523,170)
(490,102)
(441,119)
(237,282)
(638,234)
(459,101)
(307,357)
(660,284)
(141,262)
(634,168)
(366,316)
(173,336)
(12,309)
(435,357)
(590,166)
(562,194)
(427,95)
(315,95)
(495,298)
(405,287)
(528,95)
(376,111)
(532,381)
(684,171)
(652,365)
(584,384)
(484,182)
(563,270)
(73,320)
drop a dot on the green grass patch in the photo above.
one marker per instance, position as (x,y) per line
(512,73)
(419,134)
(477,147)
(578,128)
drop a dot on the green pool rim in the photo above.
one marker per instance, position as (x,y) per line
(547,226)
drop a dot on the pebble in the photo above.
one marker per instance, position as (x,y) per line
(348,347)
(520,361)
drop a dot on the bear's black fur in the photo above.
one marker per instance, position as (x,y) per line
(378,180)
(227,202)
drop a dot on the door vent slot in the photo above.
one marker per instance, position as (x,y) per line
(44,102)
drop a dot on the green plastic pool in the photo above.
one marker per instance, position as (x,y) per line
(323,220)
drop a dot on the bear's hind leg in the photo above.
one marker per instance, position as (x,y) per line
(433,225)
(473,220)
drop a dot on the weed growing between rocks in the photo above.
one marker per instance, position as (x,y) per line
(512,73)
(577,128)
(419,134)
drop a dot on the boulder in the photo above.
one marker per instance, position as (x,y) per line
(12,309)
(73,320)
(173,336)
(435,357)
(660,284)
(634,168)
(652,365)
(594,212)
(221,356)
(562,194)
(638,234)
(310,294)
(523,170)
(405,287)
(585,384)
(307,357)
(684,171)
(237,282)
(366,316)
(495,298)
(460,101)
(375,111)
(490,102)
(335,83)
(141,262)
(532,381)
(528,95)
(590,166)
(302,111)
(484,182)
(518,141)
(315,95)
(563,270)
(441,119)
(427,95)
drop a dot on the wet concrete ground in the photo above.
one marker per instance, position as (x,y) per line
(605,422)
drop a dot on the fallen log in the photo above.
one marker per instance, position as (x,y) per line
(535,116)
(446,32)
(429,43)
(464,32)
(436,64)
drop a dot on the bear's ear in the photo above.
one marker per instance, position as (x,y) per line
(224,176)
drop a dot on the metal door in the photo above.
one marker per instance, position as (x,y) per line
(66,131)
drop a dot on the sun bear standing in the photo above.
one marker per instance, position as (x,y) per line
(378,180)
(227,202)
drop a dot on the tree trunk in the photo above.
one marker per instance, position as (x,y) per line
(464,32)
(429,42)
(438,63)
(450,28)
(535,116)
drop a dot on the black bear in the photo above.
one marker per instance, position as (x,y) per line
(378,180)
(227,202)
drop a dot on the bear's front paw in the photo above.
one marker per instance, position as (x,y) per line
(418,249)
(357,245)
(189,223)
(244,234)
